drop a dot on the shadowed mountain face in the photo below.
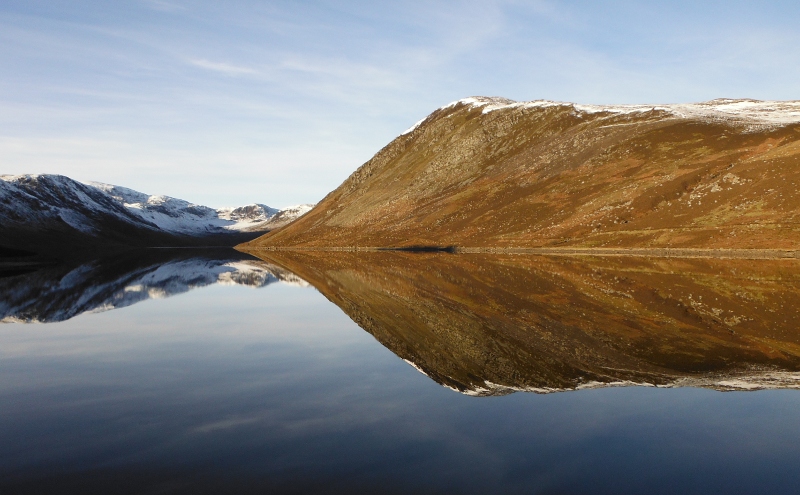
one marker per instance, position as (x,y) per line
(62,291)
(60,217)
(492,324)
(488,172)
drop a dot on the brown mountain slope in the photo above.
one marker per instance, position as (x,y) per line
(485,324)
(487,172)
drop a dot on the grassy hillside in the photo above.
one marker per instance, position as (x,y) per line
(490,173)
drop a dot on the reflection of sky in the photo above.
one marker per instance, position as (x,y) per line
(273,386)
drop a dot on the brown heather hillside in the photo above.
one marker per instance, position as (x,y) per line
(493,173)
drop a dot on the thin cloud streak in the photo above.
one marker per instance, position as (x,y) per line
(228,69)
(164,6)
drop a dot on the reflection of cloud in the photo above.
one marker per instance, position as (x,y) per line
(226,424)
(231,70)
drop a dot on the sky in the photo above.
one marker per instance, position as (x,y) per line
(277,102)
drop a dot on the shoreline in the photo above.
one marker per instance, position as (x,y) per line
(721,253)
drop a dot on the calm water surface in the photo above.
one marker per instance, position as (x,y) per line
(254,382)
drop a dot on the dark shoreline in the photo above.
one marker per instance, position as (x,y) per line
(753,254)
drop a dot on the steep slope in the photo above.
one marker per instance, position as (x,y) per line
(52,213)
(490,172)
(495,323)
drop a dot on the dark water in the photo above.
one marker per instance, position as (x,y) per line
(250,380)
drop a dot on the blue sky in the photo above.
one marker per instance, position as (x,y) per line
(228,103)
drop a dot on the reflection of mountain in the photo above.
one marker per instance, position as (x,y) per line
(60,292)
(489,324)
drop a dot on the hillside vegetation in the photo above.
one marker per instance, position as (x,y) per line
(489,172)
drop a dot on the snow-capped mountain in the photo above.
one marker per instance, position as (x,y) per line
(26,200)
(60,292)
(286,216)
(42,209)
(180,216)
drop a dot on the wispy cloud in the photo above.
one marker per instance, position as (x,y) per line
(164,6)
(143,91)
(229,69)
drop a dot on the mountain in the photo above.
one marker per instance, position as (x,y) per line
(488,324)
(494,173)
(63,291)
(182,217)
(285,216)
(53,213)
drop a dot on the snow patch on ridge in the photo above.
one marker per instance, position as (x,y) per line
(725,109)
(298,210)
(411,129)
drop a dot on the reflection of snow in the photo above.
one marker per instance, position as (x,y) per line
(54,296)
(761,380)
(415,367)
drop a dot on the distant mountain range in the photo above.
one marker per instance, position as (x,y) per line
(54,214)
(494,173)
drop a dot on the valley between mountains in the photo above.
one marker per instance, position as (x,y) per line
(486,174)
(490,173)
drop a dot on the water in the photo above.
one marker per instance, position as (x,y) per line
(250,380)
